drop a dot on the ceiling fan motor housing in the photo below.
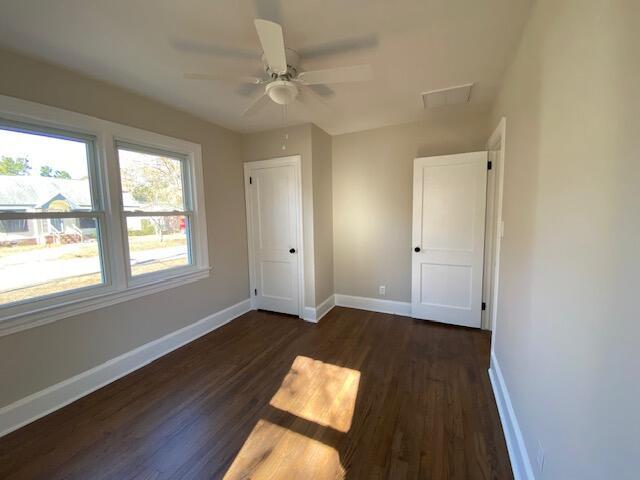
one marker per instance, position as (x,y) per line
(282,92)
(293,61)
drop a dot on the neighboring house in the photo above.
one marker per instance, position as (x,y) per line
(47,194)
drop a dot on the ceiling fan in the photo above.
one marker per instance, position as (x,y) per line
(283,83)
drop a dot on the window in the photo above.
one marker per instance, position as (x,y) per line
(92,213)
(19,225)
(155,208)
(48,185)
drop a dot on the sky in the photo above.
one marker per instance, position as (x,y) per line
(57,153)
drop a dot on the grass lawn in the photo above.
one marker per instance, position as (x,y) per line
(136,244)
(90,249)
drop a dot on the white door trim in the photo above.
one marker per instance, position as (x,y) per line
(497,142)
(296,162)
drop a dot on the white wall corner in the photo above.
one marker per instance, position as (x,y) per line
(39,404)
(373,304)
(520,462)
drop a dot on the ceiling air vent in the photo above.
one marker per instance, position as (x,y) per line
(447,96)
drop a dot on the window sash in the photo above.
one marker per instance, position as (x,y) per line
(98,201)
(187,212)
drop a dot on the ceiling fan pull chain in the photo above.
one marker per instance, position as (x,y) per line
(284,125)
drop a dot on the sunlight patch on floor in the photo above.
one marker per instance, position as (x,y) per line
(274,452)
(319,392)
(296,438)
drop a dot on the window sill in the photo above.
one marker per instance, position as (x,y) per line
(53,313)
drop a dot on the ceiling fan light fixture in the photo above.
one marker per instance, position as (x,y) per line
(282,92)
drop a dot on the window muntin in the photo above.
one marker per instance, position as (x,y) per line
(155,208)
(48,192)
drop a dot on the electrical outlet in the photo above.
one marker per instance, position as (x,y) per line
(540,457)
(382,290)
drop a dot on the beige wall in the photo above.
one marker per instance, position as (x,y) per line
(568,324)
(322,213)
(39,357)
(372,197)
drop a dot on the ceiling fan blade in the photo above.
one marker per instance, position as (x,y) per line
(269,10)
(356,73)
(257,105)
(322,90)
(225,78)
(272,41)
(312,100)
(339,47)
(201,48)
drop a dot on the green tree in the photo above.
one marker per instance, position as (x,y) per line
(155,181)
(14,166)
(47,171)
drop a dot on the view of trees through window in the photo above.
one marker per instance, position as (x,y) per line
(20,166)
(153,184)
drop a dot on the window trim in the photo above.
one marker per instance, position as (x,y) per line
(117,287)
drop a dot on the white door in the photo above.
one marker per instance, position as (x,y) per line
(449,199)
(273,216)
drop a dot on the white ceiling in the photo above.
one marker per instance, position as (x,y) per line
(146,46)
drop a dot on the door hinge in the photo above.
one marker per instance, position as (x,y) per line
(489,165)
(484,306)
(250,180)
(255,291)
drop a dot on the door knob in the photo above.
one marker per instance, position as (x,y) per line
(292,250)
(417,249)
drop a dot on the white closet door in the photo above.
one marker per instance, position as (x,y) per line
(273,202)
(449,200)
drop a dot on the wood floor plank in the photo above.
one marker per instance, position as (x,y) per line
(360,395)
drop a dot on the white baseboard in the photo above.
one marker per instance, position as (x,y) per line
(518,455)
(325,307)
(41,403)
(314,315)
(374,304)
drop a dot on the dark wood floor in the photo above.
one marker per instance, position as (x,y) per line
(361,395)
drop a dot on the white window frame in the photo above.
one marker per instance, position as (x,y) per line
(118,286)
